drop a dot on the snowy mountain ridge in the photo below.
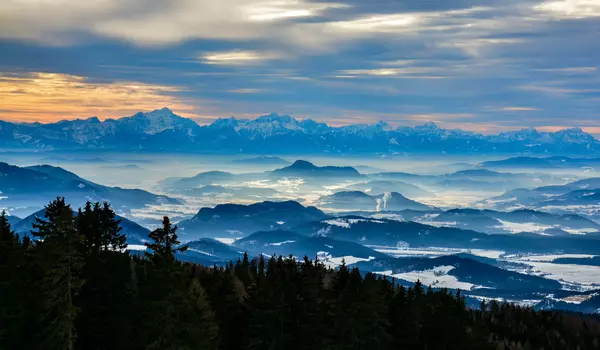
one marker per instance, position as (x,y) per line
(162,129)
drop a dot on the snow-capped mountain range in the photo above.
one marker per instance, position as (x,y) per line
(162,130)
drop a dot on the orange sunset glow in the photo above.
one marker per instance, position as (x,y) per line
(49,97)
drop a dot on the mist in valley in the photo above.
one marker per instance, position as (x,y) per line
(508,212)
(251,182)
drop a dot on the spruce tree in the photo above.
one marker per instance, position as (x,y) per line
(203,330)
(9,261)
(88,226)
(111,236)
(165,243)
(372,323)
(60,252)
(166,318)
(54,215)
(8,239)
(312,307)
(20,303)
(100,228)
(105,297)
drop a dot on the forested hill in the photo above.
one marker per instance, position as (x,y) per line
(75,286)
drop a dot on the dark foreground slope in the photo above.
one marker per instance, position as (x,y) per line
(67,291)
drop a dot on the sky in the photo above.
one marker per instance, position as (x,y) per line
(485,66)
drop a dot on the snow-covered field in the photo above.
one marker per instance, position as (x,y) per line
(156,212)
(544,258)
(226,240)
(433,252)
(437,277)
(510,227)
(416,252)
(523,302)
(333,262)
(278,244)
(492,254)
(572,277)
(346,223)
(589,210)
(396,217)
(533,227)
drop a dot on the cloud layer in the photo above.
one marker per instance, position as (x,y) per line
(48,96)
(497,65)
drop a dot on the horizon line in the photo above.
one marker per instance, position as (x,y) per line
(395,124)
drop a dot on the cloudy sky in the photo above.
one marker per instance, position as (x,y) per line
(485,65)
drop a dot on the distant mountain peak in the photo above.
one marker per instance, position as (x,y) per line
(305,168)
(529,130)
(302,164)
(160,113)
(221,123)
(271,117)
(575,130)
(383,125)
(270,124)
(271,132)
(156,121)
(429,126)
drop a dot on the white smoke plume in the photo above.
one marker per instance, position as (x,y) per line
(379,203)
(386,197)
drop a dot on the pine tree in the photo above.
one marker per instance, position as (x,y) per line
(266,307)
(104,296)
(9,259)
(55,214)
(20,306)
(398,317)
(60,253)
(372,318)
(100,228)
(111,236)
(203,327)
(8,239)
(165,243)
(88,227)
(312,307)
(167,322)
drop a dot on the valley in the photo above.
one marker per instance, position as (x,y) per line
(495,229)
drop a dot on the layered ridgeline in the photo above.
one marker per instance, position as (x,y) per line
(312,176)
(76,287)
(308,177)
(520,245)
(135,233)
(509,222)
(237,220)
(357,200)
(161,130)
(34,186)
(580,197)
(545,163)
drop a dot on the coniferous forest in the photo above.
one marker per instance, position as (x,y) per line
(74,285)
